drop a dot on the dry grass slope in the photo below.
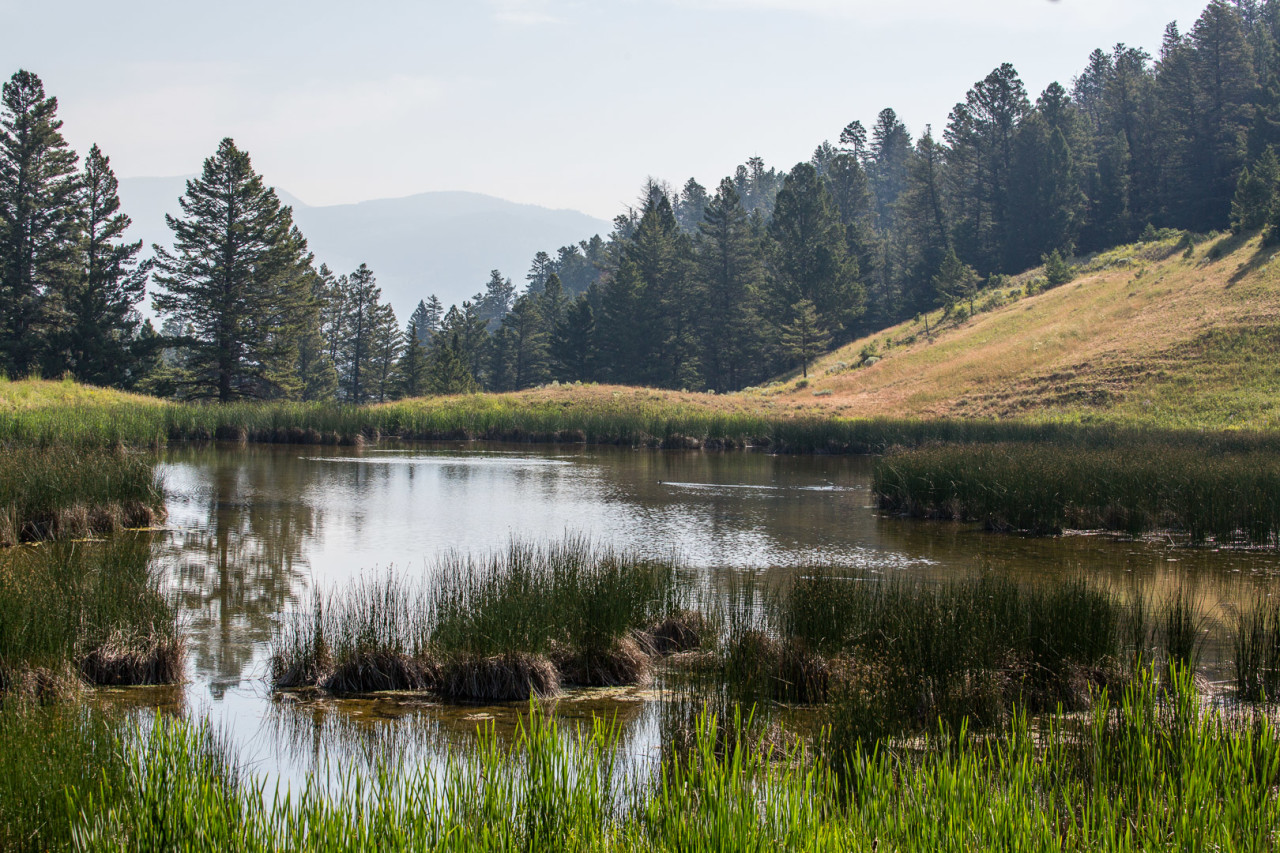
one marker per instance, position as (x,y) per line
(1146,335)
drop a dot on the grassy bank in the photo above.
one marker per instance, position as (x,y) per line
(507,626)
(62,413)
(1230,495)
(1154,770)
(62,492)
(73,613)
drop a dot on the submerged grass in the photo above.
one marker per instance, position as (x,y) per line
(504,626)
(1156,770)
(85,612)
(1231,495)
(66,492)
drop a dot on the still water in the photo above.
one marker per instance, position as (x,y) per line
(254,531)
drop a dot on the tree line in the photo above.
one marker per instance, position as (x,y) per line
(693,288)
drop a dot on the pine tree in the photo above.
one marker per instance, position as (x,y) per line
(956,281)
(385,349)
(663,311)
(804,335)
(1255,197)
(622,345)
(573,342)
(925,231)
(317,373)
(541,268)
(426,319)
(731,273)
(38,223)
(448,371)
(527,336)
(1226,90)
(980,135)
(412,369)
(811,258)
(101,344)
(356,350)
(494,303)
(238,278)
(1057,271)
(691,205)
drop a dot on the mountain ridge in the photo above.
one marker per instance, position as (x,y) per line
(443,242)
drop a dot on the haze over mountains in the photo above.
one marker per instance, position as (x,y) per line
(436,242)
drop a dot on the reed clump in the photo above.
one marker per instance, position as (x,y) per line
(68,493)
(1256,644)
(1225,492)
(91,613)
(514,624)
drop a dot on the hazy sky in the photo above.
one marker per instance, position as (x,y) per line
(563,103)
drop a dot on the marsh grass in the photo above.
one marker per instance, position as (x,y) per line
(1155,769)
(1256,644)
(506,626)
(75,612)
(67,492)
(1224,492)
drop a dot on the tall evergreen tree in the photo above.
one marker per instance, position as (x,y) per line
(386,344)
(926,230)
(980,135)
(238,277)
(731,271)
(101,343)
(1226,88)
(573,342)
(811,258)
(412,369)
(804,335)
(38,223)
(494,303)
(362,301)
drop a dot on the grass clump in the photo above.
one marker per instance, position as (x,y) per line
(64,492)
(1256,643)
(73,613)
(507,626)
(1230,494)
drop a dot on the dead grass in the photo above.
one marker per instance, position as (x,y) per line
(500,678)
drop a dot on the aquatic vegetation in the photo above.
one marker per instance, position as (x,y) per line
(93,613)
(1256,644)
(1229,493)
(66,492)
(509,625)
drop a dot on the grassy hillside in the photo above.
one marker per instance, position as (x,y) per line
(1148,334)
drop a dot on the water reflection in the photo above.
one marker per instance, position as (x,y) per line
(254,529)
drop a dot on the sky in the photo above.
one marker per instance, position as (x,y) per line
(560,103)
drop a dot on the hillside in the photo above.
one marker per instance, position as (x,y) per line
(440,242)
(1145,334)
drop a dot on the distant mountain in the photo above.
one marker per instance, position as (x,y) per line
(439,242)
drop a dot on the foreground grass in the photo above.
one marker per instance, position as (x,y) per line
(1230,495)
(1155,770)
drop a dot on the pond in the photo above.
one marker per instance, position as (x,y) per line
(253,531)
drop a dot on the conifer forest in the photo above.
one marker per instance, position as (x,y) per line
(696,287)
